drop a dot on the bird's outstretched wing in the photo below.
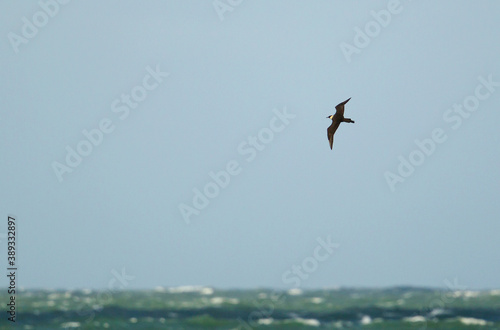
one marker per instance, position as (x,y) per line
(340,107)
(331,131)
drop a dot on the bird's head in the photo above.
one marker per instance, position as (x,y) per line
(330,117)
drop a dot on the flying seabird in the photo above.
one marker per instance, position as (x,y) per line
(337,118)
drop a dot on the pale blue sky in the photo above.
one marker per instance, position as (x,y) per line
(119,208)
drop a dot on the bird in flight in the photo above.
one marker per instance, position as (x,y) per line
(337,118)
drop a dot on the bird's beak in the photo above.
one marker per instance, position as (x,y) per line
(328,117)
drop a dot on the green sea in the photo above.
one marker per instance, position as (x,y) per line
(197,307)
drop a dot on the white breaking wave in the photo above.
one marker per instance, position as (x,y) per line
(310,322)
(294,292)
(262,295)
(466,294)
(160,289)
(472,321)
(191,288)
(216,300)
(495,292)
(207,291)
(366,319)
(221,300)
(267,321)
(71,325)
(317,300)
(416,318)
(437,311)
